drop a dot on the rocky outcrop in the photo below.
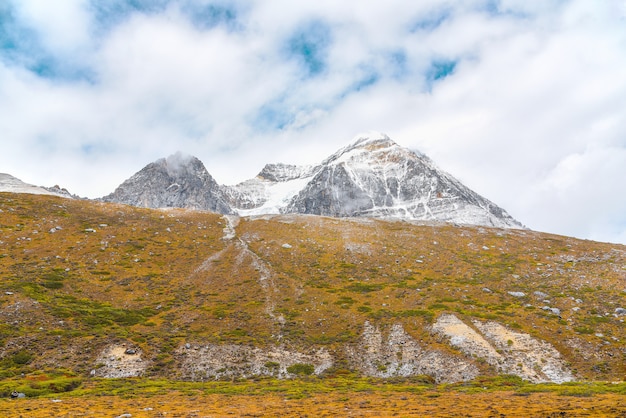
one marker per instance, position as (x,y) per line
(285,172)
(208,362)
(399,354)
(176,181)
(120,360)
(507,351)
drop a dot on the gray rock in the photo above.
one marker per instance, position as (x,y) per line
(375,177)
(517,294)
(620,311)
(540,295)
(176,181)
(555,311)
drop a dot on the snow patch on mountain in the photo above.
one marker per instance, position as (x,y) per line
(11,184)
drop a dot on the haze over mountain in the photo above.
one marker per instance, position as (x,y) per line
(371,177)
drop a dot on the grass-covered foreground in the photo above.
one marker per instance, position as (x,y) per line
(61,394)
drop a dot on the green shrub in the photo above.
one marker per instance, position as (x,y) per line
(272,365)
(363,287)
(22,357)
(301,369)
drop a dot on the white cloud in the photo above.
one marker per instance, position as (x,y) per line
(62,25)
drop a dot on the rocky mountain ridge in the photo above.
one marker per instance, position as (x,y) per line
(176,181)
(371,177)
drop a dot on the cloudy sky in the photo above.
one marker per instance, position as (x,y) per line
(522,100)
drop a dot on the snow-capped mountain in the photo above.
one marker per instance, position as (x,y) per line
(270,191)
(11,184)
(176,181)
(371,177)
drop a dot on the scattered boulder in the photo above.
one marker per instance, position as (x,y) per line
(555,311)
(517,294)
(15,395)
(620,311)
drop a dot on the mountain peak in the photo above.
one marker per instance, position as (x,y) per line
(179,180)
(370,177)
(365,138)
(279,172)
(179,162)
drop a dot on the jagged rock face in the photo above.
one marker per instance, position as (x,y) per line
(375,177)
(372,177)
(175,181)
(284,172)
(249,194)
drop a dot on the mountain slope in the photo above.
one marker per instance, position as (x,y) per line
(270,191)
(111,290)
(12,184)
(176,181)
(371,177)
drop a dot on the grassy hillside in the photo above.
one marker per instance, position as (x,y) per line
(78,277)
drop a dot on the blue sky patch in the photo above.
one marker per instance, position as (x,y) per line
(309,46)
(16,40)
(21,46)
(110,13)
(367,78)
(49,67)
(429,22)
(207,16)
(273,115)
(439,70)
(398,64)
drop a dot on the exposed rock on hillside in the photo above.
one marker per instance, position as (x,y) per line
(229,360)
(508,351)
(399,354)
(117,361)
